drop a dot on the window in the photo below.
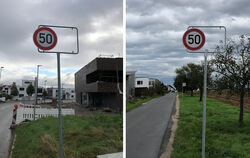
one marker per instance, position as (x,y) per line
(72,96)
(6,88)
(105,76)
(27,82)
(72,91)
(21,89)
(139,82)
(21,95)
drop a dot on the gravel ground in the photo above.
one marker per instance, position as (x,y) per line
(79,109)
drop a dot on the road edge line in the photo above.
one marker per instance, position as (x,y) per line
(175,118)
(12,142)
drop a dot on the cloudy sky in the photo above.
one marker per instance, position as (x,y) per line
(100,32)
(155,29)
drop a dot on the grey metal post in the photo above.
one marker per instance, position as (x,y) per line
(35,98)
(204,105)
(59,106)
(36,87)
(182,92)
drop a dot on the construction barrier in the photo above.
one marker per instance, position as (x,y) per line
(28,113)
(13,123)
(29,106)
(23,113)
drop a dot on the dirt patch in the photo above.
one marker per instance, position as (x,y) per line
(233,100)
(79,109)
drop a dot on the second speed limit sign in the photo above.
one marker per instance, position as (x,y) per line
(45,38)
(193,39)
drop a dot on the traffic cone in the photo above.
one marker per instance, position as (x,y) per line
(13,124)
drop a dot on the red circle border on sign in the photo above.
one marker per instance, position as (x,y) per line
(193,48)
(47,29)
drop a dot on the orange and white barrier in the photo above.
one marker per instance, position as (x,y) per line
(13,123)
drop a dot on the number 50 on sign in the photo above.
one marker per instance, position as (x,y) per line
(193,39)
(45,38)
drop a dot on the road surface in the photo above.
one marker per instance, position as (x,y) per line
(6,113)
(146,127)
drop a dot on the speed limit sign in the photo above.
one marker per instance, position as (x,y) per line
(193,39)
(45,38)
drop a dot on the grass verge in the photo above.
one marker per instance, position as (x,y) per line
(83,137)
(225,138)
(134,103)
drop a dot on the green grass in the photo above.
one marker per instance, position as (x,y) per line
(134,103)
(225,138)
(83,137)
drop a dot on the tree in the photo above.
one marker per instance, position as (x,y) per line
(30,89)
(234,63)
(13,89)
(159,88)
(44,95)
(192,75)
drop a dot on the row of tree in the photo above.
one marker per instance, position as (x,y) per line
(29,90)
(158,89)
(228,69)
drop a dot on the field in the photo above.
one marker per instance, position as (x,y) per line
(225,138)
(83,137)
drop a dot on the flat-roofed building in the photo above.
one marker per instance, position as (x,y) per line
(99,83)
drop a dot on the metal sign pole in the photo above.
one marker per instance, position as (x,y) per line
(182,92)
(44,47)
(35,98)
(59,105)
(204,105)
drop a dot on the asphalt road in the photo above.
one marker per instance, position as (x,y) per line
(6,113)
(146,126)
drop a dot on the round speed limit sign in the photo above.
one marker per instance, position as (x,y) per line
(193,39)
(45,38)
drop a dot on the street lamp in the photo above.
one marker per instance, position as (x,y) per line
(36,82)
(1,71)
(45,82)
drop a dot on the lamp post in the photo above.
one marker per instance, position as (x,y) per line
(1,71)
(36,82)
(45,82)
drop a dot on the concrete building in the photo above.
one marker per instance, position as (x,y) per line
(99,83)
(66,93)
(69,94)
(143,84)
(130,84)
(6,89)
(22,89)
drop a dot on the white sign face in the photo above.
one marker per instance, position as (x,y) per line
(45,38)
(194,39)
(184,84)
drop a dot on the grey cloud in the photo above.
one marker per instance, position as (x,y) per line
(155,29)
(19,19)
